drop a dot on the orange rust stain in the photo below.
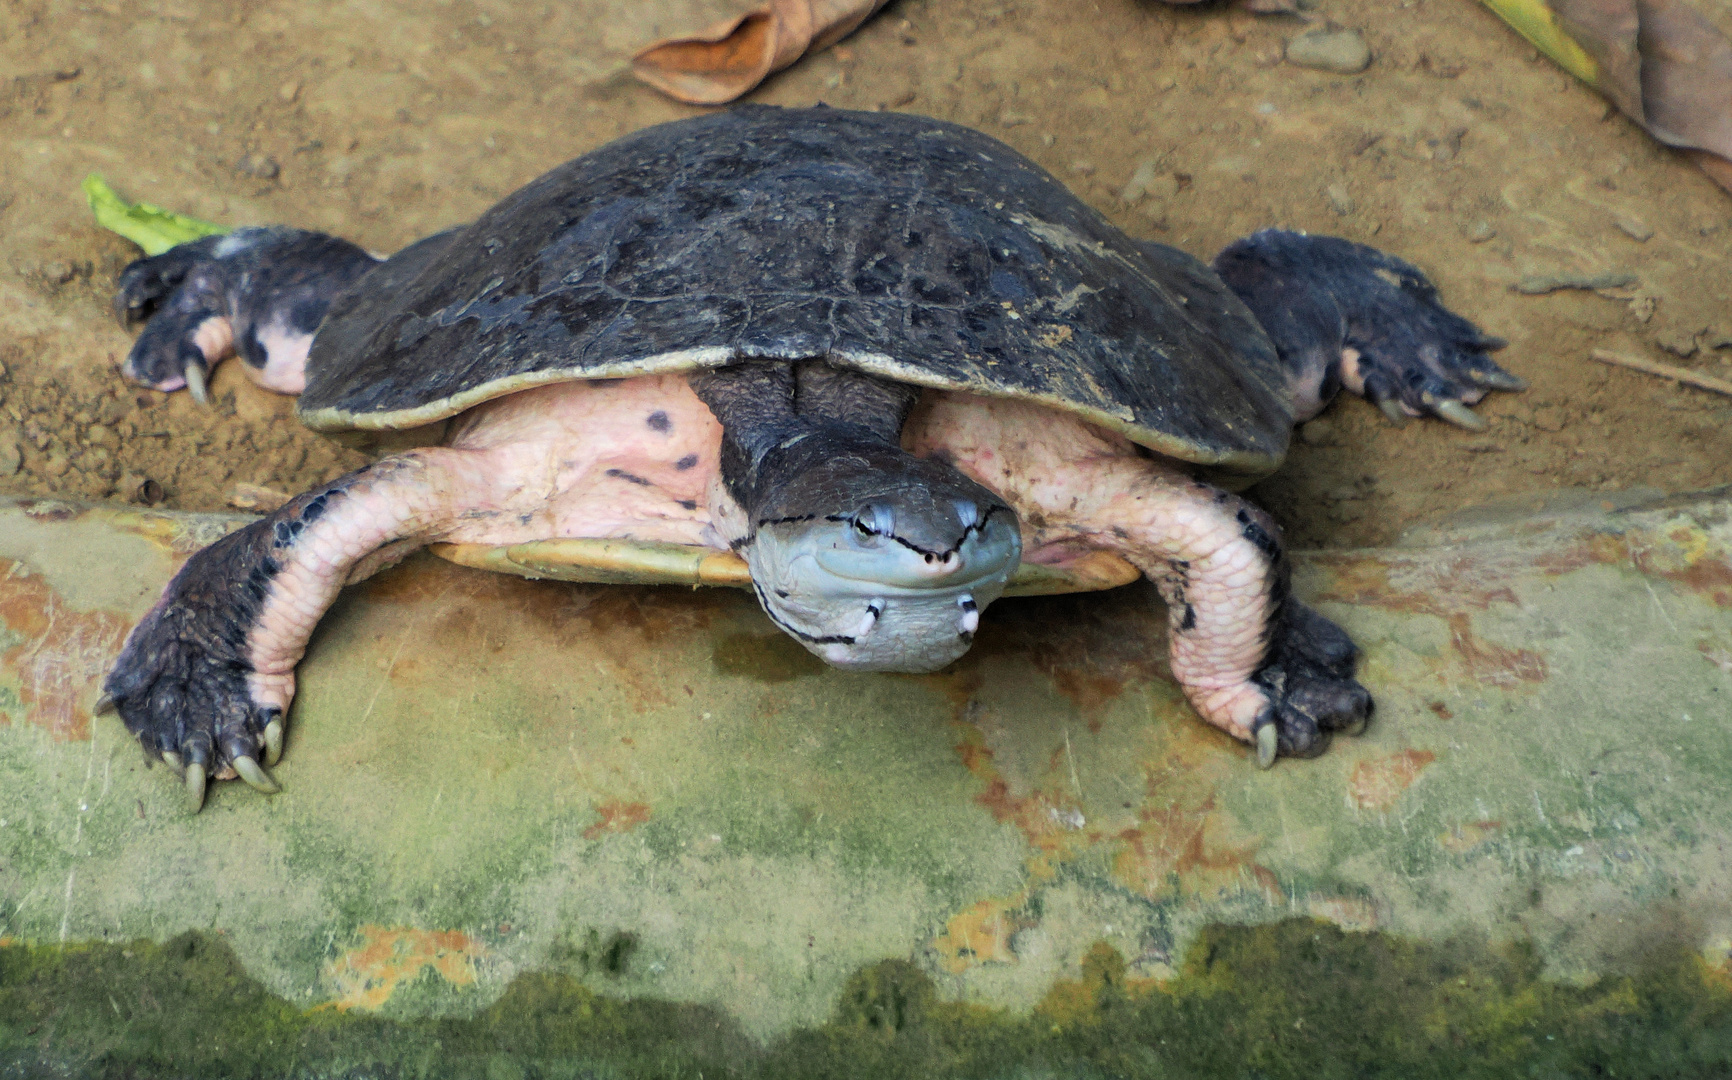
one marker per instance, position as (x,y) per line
(62,656)
(1441,710)
(1427,588)
(980,934)
(6,942)
(1464,838)
(1173,853)
(1684,554)
(1718,655)
(1377,783)
(1716,962)
(1104,975)
(1494,664)
(1042,816)
(367,976)
(1449,590)
(617,817)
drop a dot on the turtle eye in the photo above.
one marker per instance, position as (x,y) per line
(871,521)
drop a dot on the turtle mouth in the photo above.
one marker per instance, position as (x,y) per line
(859,552)
(864,599)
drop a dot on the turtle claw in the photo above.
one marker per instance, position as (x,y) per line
(173,761)
(1268,741)
(274,742)
(195,784)
(103,707)
(255,777)
(1497,378)
(195,384)
(1460,415)
(1391,410)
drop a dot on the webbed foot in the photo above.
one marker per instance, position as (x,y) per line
(1343,314)
(1307,680)
(256,292)
(185,683)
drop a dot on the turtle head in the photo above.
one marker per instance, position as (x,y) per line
(876,560)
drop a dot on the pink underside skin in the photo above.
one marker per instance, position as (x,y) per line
(604,461)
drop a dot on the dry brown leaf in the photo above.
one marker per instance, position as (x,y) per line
(1661,62)
(719,64)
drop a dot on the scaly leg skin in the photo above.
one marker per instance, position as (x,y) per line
(258,292)
(1343,314)
(206,678)
(1253,660)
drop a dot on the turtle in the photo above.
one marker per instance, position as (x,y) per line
(879,368)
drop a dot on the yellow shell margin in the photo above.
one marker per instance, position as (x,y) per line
(631,562)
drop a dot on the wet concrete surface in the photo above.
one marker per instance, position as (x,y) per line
(654,793)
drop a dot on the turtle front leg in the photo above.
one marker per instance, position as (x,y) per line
(1251,658)
(205,679)
(1345,315)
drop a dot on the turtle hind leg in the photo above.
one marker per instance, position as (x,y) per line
(1343,314)
(258,292)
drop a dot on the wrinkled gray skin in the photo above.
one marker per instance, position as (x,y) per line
(873,559)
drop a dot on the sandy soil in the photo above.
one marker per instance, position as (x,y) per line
(1459,148)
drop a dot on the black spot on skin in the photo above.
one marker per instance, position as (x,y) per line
(251,350)
(658,421)
(688,504)
(686,462)
(1259,536)
(306,315)
(629,478)
(1190,620)
(783,593)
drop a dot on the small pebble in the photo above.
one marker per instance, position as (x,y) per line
(1549,418)
(11,457)
(1478,232)
(56,465)
(1681,343)
(289,91)
(1317,432)
(1147,172)
(258,166)
(1535,284)
(1339,201)
(1341,51)
(1634,228)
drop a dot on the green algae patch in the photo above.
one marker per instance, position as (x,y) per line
(1299,998)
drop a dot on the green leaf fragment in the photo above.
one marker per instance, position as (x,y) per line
(150,227)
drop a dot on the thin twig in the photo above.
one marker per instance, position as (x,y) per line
(1665,371)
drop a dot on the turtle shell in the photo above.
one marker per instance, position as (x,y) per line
(901,246)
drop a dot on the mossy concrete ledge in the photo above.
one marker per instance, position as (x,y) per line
(649,795)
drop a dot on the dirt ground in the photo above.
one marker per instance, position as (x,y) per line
(1459,148)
